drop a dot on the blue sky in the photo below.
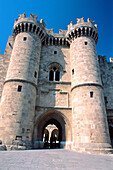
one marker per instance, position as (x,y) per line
(57,14)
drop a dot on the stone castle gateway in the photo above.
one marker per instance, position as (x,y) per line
(55,79)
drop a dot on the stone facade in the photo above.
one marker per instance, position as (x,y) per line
(55,79)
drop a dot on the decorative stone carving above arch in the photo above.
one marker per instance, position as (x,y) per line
(54,64)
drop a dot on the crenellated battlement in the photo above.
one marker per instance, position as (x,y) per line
(80,22)
(31,24)
(82,29)
(58,39)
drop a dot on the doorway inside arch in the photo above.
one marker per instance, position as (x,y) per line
(52,134)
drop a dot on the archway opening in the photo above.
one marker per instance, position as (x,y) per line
(52,134)
(61,131)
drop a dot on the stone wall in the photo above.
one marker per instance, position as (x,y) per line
(54,93)
(106,69)
(4,61)
(62,57)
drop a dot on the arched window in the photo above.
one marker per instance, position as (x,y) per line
(54,72)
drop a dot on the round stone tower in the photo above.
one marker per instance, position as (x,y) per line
(90,128)
(19,92)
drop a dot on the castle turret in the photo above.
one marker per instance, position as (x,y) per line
(19,92)
(90,128)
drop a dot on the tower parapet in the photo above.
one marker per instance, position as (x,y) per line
(24,24)
(57,39)
(82,29)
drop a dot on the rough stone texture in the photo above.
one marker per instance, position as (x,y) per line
(106,69)
(89,115)
(30,54)
(18,107)
(4,61)
(85,57)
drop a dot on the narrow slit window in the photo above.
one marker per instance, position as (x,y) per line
(105,99)
(19,88)
(10,45)
(72,71)
(86,43)
(91,94)
(51,75)
(25,38)
(35,74)
(55,52)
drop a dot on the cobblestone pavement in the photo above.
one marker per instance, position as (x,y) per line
(56,159)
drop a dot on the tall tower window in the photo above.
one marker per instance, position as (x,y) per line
(91,94)
(19,88)
(72,71)
(51,75)
(35,74)
(54,74)
(85,43)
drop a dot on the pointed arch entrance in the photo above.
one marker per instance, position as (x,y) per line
(62,132)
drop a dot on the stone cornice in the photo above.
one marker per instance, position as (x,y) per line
(55,107)
(21,80)
(86,84)
(54,82)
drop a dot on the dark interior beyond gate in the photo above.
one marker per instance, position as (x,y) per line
(52,134)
